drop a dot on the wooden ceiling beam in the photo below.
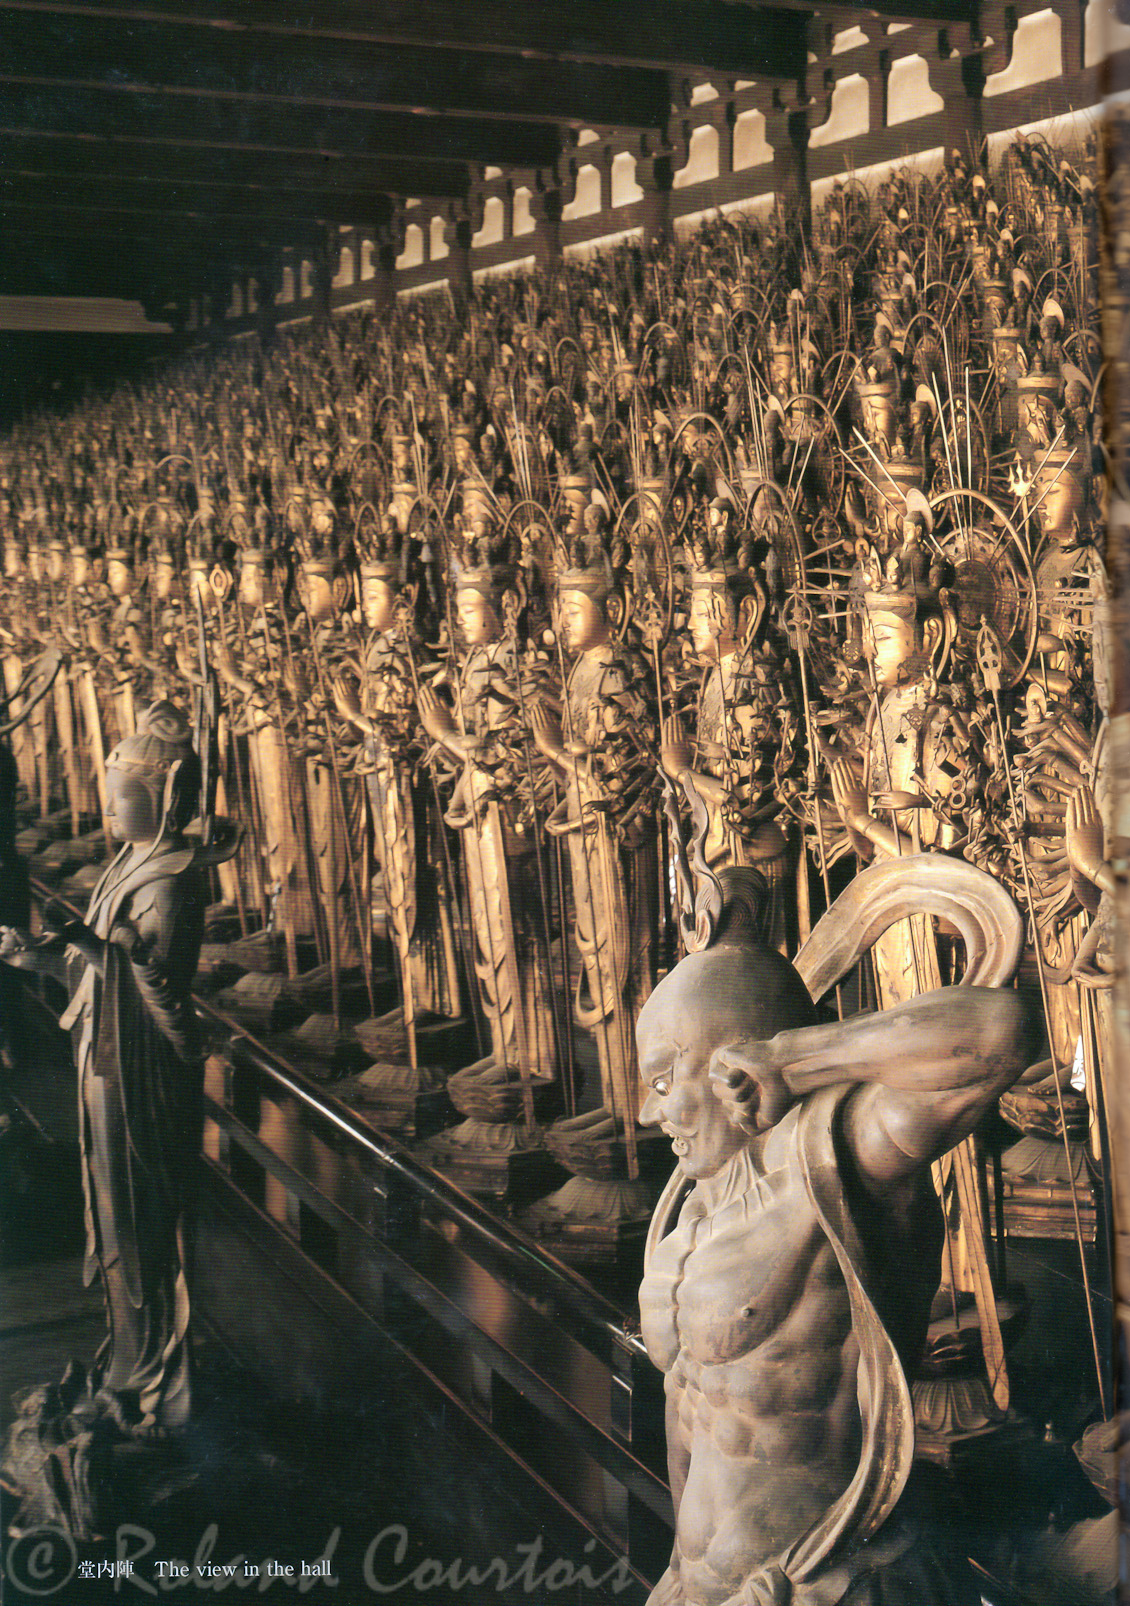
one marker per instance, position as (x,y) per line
(264,68)
(112,198)
(181,181)
(932,11)
(101,277)
(679,35)
(253,129)
(97,232)
(79,154)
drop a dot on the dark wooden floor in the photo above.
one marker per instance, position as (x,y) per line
(46,1317)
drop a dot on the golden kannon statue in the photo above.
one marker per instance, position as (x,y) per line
(600,752)
(745,733)
(917,752)
(493,806)
(401,809)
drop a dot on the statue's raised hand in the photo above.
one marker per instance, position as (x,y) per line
(675,753)
(435,716)
(546,731)
(14,945)
(1085,840)
(21,950)
(746,1080)
(346,703)
(848,796)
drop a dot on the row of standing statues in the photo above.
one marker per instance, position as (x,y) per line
(752,564)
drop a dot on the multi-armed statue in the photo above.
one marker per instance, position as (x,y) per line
(496,807)
(600,751)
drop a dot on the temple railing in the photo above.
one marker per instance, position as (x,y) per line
(321,1241)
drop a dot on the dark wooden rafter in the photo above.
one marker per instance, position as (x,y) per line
(678,35)
(271,193)
(165,142)
(50,158)
(61,256)
(241,65)
(87,235)
(72,112)
(112,199)
(933,11)
(171,276)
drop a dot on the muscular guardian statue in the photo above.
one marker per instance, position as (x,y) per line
(793,1258)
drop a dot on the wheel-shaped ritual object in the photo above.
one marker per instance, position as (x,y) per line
(700,436)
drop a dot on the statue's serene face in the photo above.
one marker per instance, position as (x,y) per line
(118,577)
(890,643)
(720,522)
(131,808)
(780,371)
(1060,502)
(477,620)
(378,603)
(709,625)
(163,576)
(251,587)
(317,594)
(912,530)
(583,622)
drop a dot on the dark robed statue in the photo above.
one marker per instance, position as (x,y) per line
(130,967)
(794,1255)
